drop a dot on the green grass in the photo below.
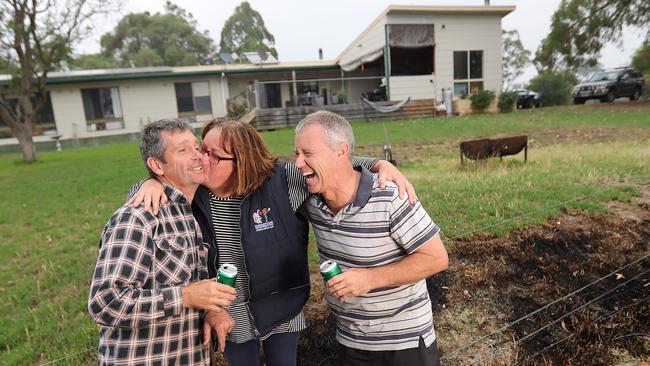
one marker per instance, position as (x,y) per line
(53,211)
(442,130)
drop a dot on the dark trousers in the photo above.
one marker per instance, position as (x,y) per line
(421,356)
(279,350)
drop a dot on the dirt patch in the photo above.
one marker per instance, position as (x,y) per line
(493,281)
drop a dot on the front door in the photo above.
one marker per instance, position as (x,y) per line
(273,96)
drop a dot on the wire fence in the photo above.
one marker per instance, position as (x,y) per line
(509,325)
(555,321)
(602,317)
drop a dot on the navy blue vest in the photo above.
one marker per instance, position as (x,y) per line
(274,240)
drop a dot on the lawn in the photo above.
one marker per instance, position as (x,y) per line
(53,211)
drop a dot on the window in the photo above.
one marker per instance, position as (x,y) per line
(411,61)
(411,49)
(193,99)
(44,123)
(460,65)
(103,109)
(468,72)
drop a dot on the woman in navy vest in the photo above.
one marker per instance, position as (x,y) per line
(249,212)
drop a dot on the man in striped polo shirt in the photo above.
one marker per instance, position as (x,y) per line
(385,247)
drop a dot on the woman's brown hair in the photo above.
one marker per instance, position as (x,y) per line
(254,163)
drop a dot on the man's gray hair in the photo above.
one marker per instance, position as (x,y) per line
(337,128)
(151,142)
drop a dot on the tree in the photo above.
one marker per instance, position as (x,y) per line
(92,61)
(514,56)
(36,36)
(554,87)
(245,31)
(580,29)
(641,58)
(169,39)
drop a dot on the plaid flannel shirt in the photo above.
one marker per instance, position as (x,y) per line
(135,295)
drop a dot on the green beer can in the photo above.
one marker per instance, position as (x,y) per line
(227,274)
(329,269)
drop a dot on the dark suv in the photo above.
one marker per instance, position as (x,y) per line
(608,85)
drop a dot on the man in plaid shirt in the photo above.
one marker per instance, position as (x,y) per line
(150,286)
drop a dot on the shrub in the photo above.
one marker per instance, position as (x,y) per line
(237,110)
(554,87)
(507,101)
(482,99)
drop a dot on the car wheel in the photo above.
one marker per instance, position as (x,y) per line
(636,95)
(609,97)
(578,101)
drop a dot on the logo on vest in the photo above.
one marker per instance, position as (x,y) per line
(261,219)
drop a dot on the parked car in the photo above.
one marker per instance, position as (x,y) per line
(608,85)
(527,99)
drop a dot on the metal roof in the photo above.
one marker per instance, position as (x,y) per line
(77,76)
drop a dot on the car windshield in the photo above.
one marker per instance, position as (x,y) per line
(604,76)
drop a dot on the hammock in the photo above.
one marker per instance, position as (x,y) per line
(386,109)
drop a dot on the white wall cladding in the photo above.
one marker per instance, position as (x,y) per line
(461,32)
(414,86)
(369,41)
(142,101)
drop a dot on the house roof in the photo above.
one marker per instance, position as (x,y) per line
(76,76)
(424,9)
(182,71)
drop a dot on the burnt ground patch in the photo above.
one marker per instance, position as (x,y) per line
(512,276)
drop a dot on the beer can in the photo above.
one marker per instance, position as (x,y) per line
(329,269)
(227,274)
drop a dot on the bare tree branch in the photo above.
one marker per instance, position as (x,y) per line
(36,36)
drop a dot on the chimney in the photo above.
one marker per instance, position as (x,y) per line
(320,54)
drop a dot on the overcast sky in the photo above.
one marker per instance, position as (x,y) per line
(301,27)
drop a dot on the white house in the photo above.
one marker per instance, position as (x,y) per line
(407,51)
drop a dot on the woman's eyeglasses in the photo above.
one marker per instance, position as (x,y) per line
(216,158)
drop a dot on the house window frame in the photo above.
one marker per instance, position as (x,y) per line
(194,115)
(471,84)
(41,126)
(105,123)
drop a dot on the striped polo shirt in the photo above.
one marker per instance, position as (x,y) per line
(377,229)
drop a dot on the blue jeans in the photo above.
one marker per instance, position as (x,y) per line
(279,350)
